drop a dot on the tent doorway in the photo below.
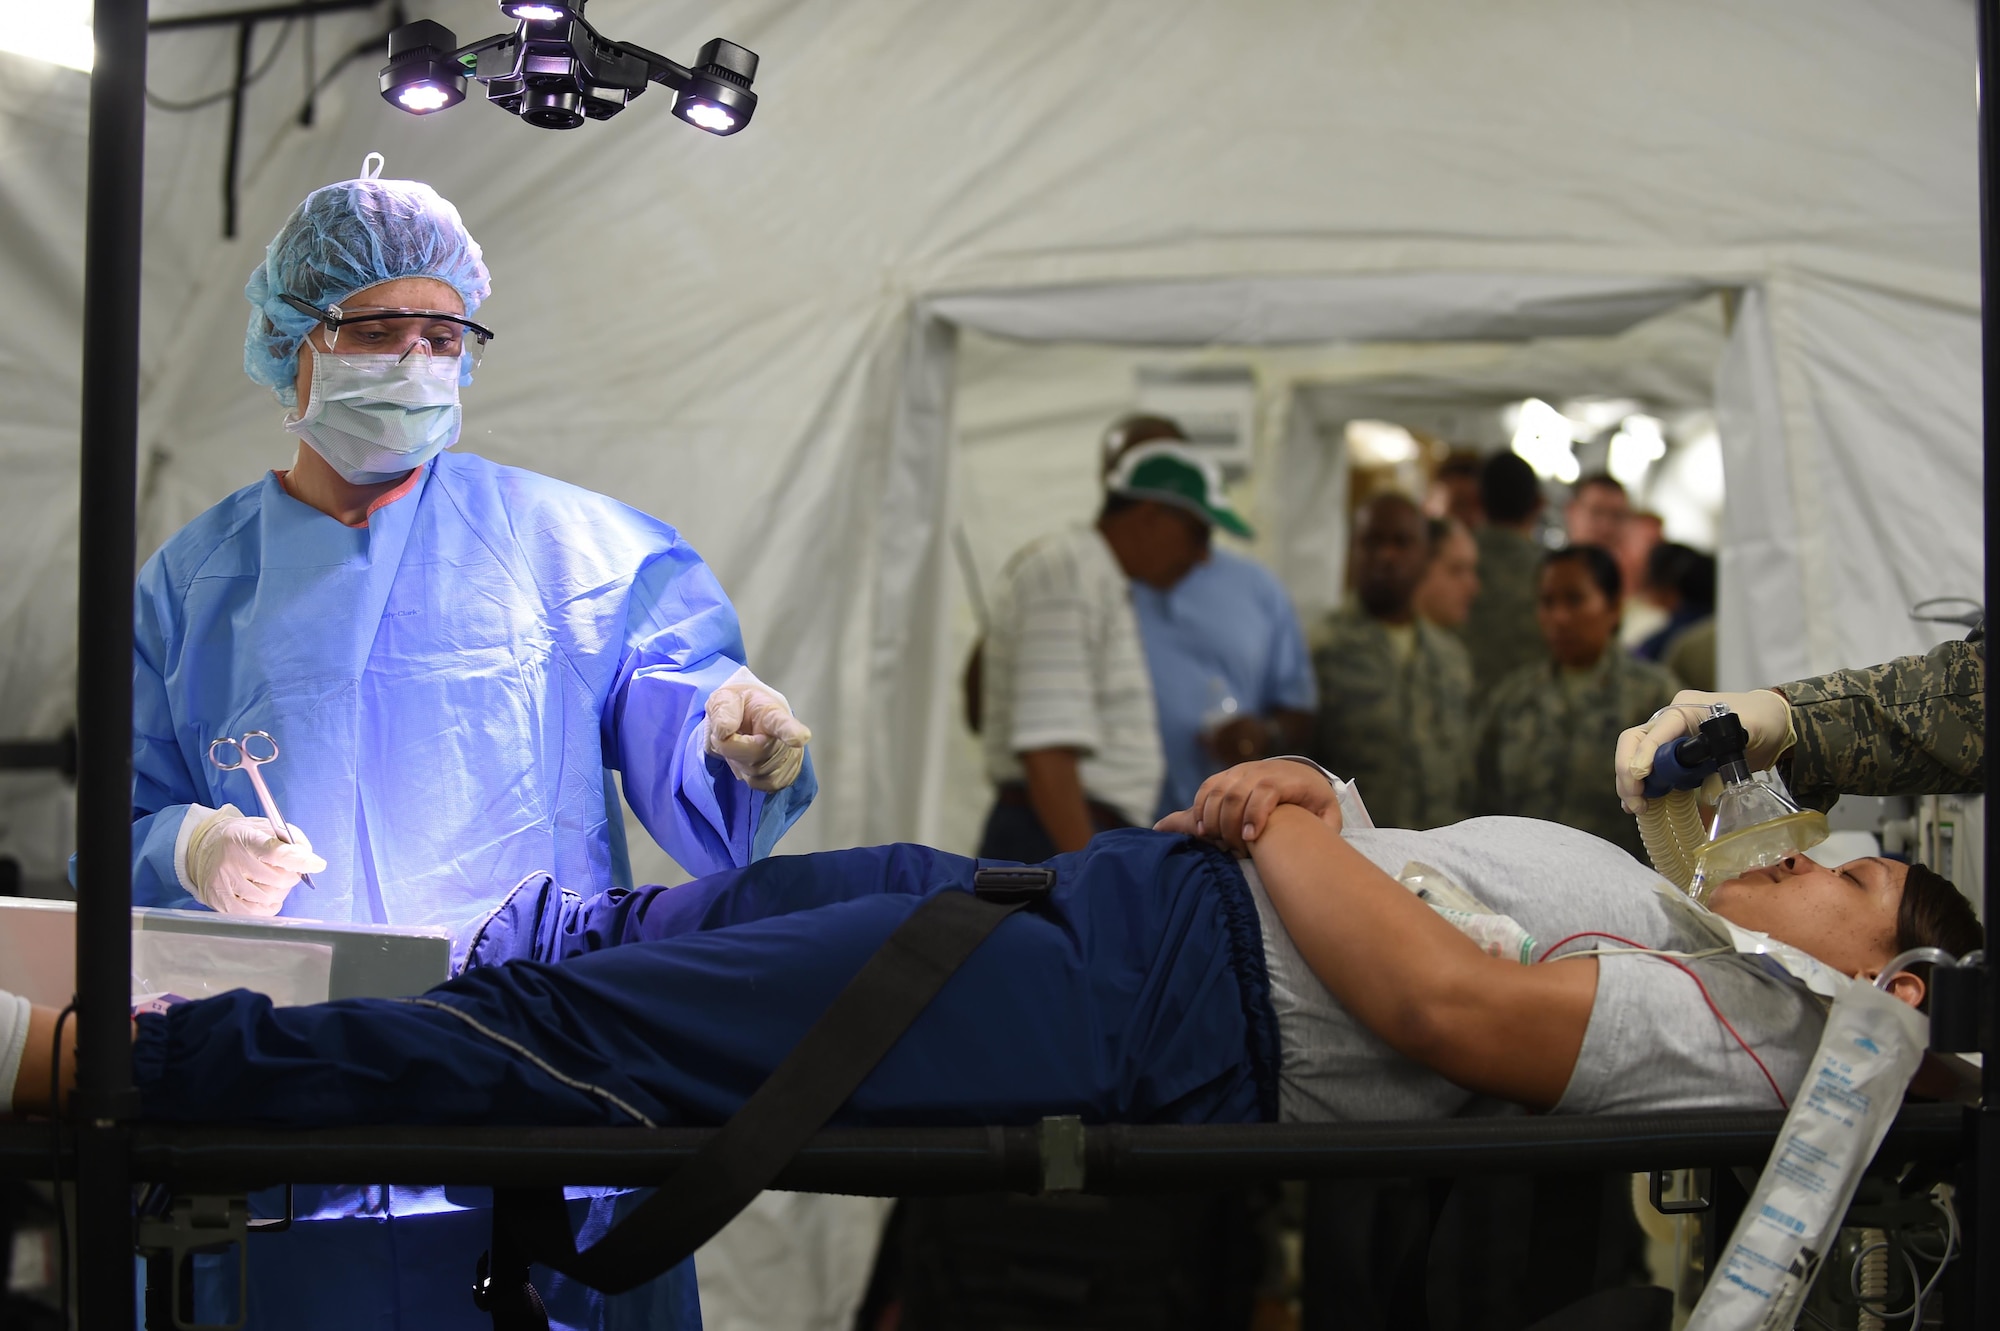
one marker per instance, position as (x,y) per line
(1030,392)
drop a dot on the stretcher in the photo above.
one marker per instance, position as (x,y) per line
(777,1138)
(1053,1156)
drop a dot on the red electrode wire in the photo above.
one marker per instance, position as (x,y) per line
(1549,955)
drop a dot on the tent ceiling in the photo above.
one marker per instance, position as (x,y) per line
(1358,307)
(1668,361)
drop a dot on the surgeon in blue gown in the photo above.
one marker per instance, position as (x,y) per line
(450,654)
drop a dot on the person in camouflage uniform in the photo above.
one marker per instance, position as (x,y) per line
(1500,634)
(1542,733)
(1912,726)
(1394,692)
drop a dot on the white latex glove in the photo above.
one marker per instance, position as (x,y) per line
(751,727)
(1764,713)
(236,865)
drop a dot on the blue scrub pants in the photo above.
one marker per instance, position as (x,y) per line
(1136,994)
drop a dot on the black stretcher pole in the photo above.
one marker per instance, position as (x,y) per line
(1985,1254)
(115,174)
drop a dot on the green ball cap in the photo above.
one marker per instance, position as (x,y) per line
(1175,476)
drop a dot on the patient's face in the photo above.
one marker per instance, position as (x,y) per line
(1846,916)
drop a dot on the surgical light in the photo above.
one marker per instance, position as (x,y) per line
(423,97)
(555,71)
(423,74)
(707,115)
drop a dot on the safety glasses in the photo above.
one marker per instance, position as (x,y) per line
(397,332)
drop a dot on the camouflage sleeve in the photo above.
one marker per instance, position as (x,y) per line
(1913,726)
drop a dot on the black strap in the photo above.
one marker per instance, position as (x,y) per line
(861,1025)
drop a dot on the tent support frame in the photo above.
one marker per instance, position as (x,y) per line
(1057,1155)
(105,1099)
(1983,1126)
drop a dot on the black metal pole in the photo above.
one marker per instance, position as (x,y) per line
(36,755)
(115,170)
(246,32)
(1985,1253)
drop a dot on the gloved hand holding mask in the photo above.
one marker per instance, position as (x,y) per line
(751,727)
(1765,714)
(238,866)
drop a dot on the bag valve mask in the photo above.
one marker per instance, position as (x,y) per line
(1756,822)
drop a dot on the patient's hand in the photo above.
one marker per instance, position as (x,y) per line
(1232,807)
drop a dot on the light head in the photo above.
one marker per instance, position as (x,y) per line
(423,74)
(717,97)
(540,11)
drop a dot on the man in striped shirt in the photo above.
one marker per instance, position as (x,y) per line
(1072,737)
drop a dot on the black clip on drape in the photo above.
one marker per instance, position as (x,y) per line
(860,1026)
(501,1287)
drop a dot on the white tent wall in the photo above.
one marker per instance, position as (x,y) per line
(41,204)
(1850,426)
(720,331)
(1895,483)
(1761,532)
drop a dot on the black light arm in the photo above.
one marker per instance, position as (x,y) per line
(715,95)
(555,71)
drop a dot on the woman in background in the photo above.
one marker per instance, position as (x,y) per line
(1540,747)
(1681,581)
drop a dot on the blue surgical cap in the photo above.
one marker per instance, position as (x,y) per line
(345,238)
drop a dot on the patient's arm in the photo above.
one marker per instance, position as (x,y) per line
(31,1083)
(1492,1026)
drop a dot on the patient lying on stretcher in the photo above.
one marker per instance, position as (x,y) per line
(1165,980)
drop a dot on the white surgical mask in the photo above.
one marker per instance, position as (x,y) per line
(374,418)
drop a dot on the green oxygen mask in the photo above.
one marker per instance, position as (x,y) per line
(1756,821)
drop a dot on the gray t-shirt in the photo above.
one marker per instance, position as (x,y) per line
(1652,1044)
